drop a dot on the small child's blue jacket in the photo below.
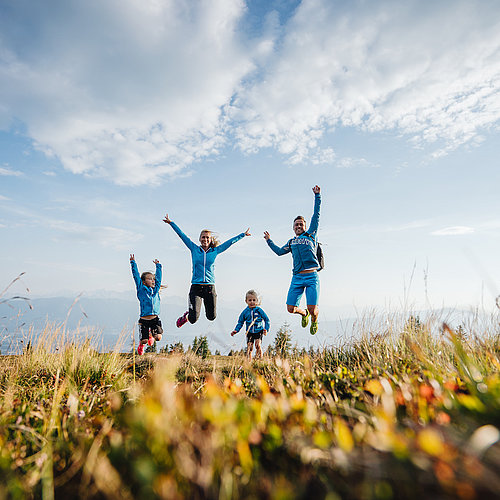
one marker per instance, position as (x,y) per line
(204,262)
(255,315)
(149,298)
(303,247)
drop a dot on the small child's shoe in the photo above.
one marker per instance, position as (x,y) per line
(305,319)
(182,320)
(140,349)
(314,327)
(151,340)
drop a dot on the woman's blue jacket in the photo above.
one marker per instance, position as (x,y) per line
(204,262)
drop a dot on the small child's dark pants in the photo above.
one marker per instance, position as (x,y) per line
(150,325)
(253,336)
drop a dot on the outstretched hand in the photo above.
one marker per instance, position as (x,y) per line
(167,220)
(267,236)
(156,261)
(316,189)
(233,333)
(247,232)
(132,257)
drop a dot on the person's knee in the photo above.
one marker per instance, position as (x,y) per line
(144,341)
(313,309)
(193,316)
(290,309)
(158,337)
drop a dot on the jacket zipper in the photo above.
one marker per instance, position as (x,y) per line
(204,266)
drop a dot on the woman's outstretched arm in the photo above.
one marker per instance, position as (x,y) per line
(190,244)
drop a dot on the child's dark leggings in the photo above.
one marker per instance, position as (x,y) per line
(205,293)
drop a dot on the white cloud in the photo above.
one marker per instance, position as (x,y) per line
(9,172)
(427,70)
(106,236)
(453,231)
(139,99)
(347,162)
(4,198)
(418,224)
(161,85)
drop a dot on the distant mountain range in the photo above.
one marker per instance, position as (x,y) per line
(110,319)
(107,319)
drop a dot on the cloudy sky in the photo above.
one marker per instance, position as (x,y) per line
(225,114)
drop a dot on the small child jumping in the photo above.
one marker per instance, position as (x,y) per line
(257,324)
(148,292)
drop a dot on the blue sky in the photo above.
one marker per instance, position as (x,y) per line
(225,114)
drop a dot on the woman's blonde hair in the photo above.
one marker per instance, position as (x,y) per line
(255,294)
(214,241)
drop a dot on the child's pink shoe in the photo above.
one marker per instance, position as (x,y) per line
(151,340)
(140,349)
(182,320)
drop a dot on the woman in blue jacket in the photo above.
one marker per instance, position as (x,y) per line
(305,265)
(203,278)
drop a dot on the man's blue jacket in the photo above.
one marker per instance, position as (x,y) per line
(303,247)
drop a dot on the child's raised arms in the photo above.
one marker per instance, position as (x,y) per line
(132,257)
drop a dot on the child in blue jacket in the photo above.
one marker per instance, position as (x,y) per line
(203,278)
(148,292)
(305,265)
(257,324)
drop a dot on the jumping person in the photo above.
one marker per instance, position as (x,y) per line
(203,278)
(257,324)
(148,292)
(305,265)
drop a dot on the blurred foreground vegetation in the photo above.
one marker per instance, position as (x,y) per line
(406,413)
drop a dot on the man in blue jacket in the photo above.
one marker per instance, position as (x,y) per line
(305,265)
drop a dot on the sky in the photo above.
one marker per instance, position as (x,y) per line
(224,114)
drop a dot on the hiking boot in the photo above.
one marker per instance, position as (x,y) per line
(182,320)
(151,340)
(314,327)
(140,349)
(305,319)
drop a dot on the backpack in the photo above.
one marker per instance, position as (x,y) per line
(320,256)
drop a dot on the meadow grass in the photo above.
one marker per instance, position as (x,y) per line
(404,410)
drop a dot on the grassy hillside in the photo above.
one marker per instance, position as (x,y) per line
(399,414)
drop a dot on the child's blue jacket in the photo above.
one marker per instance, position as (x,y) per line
(204,262)
(255,315)
(149,298)
(303,247)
